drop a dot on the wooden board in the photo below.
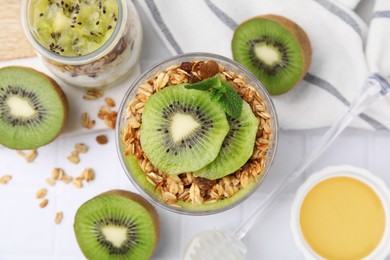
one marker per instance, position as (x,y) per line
(13,42)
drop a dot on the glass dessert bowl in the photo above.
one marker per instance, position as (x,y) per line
(184,143)
(89,44)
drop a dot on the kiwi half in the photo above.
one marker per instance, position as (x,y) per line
(117,224)
(33,108)
(237,147)
(275,49)
(72,27)
(182,129)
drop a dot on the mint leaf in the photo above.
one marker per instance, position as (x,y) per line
(221,92)
(231,101)
(213,82)
(215,95)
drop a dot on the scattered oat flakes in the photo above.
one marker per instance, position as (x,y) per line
(86,121)
(5,179)
(110,119)
(57,174)
(81,148)
(50,181)
(43,203)
(67,179)
(89,174)
(77,183)
(74,159)
(30,156)
(92,94)
(58,217)
(110,102)
(101,139)
(41,193)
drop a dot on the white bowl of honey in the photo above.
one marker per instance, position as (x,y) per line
(342,212)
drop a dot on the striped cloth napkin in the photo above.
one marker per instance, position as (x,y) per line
(339,66)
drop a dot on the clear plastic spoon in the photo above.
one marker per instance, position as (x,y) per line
(216,244)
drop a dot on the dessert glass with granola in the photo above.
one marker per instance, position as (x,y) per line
(89,44)
(186,192)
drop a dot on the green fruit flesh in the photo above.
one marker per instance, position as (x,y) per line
(140,177)
(73,27)
(271,52)
(182,129)
(237,147)
(33,109)
(112,226)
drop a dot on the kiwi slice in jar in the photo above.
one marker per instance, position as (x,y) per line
(275,49)
(33,108)
(117,224)
(237,147)
(73,27)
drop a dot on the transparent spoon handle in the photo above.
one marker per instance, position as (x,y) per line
(373,90)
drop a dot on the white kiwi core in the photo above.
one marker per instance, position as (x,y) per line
(182,125)
(268,54)
(115,234)
(20,107)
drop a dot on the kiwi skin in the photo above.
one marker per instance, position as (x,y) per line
(299,33)
(61,94)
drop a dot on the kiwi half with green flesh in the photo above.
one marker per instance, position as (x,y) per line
(275,49)
(33,108)
(182,129)
(237,147)
(117,225)
(72,27)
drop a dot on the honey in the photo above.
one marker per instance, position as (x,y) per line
(342,218)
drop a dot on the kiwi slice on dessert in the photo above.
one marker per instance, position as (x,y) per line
(117,224)
(182,129)
(73,28)
(237,147)
(33,108)
(275,49)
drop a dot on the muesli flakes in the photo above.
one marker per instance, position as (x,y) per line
(5,179)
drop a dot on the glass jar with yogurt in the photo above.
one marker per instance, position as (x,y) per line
(85,43)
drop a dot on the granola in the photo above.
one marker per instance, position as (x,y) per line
(186,186)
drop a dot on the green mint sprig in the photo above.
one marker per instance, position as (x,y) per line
(222,92)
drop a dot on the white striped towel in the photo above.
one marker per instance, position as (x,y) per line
(339,63)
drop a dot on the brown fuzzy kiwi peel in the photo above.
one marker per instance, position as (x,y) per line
(303,42)
(299,33)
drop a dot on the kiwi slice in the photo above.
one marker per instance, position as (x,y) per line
(237,147)
(73,27)
(117,224)
(33,108)
(182,129)
(275,49)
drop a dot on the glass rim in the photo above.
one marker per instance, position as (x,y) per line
(122,109)
(75,60)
